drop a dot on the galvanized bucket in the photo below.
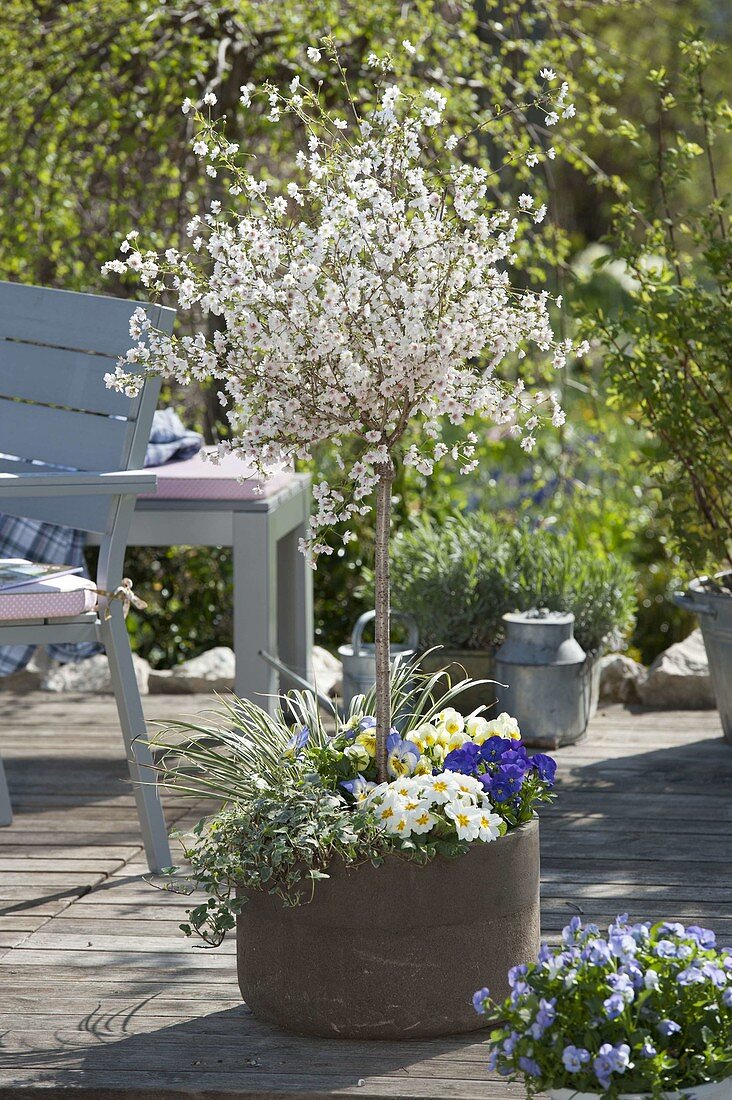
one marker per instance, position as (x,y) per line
(359,658)
(714,608)
(547,678)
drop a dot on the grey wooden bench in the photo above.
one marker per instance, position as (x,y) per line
(76,448)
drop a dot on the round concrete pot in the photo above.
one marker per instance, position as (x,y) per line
(475,663)
(396,951)
(714,1090)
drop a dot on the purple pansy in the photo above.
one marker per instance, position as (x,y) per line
(703,936)
(479,997)
(529,1066)
(493,749)
(298,741)
(464,759)
(575,1058)
(611,1059)
(613,1005)
(544,766)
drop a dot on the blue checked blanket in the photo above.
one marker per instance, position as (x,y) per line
(169,441)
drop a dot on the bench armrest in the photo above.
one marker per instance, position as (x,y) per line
(128,482)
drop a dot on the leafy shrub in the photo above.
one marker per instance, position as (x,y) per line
(459,577)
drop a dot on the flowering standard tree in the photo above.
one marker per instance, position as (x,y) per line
(368,291)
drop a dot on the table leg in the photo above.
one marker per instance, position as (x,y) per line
(254,554)
(295,592)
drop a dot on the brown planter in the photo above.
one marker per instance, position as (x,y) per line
(475,663)
(396,951)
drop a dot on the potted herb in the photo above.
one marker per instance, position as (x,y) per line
(366,292)
(668,353)
(644,1013)
(459,577)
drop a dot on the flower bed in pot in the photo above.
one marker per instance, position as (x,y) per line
(643,1013)
(365,909)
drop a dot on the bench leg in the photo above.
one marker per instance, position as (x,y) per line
(6,810)
(113,636)
(254,554)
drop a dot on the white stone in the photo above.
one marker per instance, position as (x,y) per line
(679,677)
(92,675)
(210,671)
(29,678)
(619,678)
(327,672)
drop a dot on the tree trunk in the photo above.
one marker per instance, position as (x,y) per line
(382,622)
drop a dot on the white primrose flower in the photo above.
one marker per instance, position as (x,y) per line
(489,825)
(466,819)
(383,299)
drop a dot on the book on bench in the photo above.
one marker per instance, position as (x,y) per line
(17,572)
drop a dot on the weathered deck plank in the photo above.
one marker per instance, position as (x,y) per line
(102,997)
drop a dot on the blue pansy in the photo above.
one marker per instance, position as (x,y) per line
(613,1005)
(714,974)
(571,931)
(298,741)
(703,936)
(516,972)
(665,949)
(575,1058)
(691,976)
(544,1017)
(505,783)
(611,1059)
(464,759)
(479,997)
(493,749)
(668,1027)
(529,1066)
(545,767)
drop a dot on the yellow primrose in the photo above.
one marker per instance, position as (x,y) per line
(443,737)
(368,740)
(477,729)
(451,720)
(359,755)
(456,741)
(424,766)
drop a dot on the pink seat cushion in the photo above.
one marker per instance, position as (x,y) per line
(199,479)
(60,598)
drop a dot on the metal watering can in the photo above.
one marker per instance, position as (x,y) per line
(359,658)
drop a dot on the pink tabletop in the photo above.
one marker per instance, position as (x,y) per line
(199,479)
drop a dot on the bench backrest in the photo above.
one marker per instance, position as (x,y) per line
(56,413)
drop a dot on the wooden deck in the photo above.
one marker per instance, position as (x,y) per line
(101,996)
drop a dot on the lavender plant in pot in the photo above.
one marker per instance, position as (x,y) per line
(367,292)
(642,1013)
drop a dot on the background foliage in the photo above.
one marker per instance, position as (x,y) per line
(459,577)
(92,141)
